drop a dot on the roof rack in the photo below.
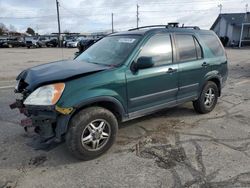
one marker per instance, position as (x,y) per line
(190,27)
(170,25)
(148,26)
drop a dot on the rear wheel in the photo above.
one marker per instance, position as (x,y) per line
(92,132)
(208,98)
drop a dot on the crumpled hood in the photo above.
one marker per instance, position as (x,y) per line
(56,71)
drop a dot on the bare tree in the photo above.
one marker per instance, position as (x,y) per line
(30,31)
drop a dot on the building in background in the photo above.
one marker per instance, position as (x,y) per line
(234,27)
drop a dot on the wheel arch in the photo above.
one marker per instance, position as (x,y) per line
(110,103)
(217,81)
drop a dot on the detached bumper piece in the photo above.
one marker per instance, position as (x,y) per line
(49,122)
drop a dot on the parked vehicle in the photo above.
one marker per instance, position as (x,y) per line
(36,42)
(3,43)
(12,42)
(52,43)
(121,77)
(68,39)
(84,44)
(74,43)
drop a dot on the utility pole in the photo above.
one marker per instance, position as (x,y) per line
(37,30)
(59,27)
(220,7)
(137,15)
(112,22)
(246,8)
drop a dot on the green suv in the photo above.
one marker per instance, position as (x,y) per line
(121,77)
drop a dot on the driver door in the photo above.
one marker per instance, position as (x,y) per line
(153,87)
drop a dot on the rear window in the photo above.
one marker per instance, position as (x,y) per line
(198,49)
(213,44)
(186,47)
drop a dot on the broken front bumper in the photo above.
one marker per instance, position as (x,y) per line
(49,122)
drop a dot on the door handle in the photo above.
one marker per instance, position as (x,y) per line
(205,64)
(171,70)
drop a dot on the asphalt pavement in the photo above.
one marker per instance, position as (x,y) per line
(172,148)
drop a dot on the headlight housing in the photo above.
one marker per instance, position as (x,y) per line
(45,95)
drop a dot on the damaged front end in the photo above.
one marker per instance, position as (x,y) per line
(40,88)
(49,122)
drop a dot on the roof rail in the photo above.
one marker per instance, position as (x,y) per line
(170,25)
(190,27)
(148,26)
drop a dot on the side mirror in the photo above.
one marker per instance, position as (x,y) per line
(143,63)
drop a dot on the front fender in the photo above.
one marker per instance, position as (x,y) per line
(78,98)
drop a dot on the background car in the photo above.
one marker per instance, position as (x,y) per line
(52,43)
(3,43)
(68,39)
(84,44)
(36,42)
(12,42)
(74,43)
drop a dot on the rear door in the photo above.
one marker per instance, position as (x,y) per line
(157,85)
(192,66)
(215,55)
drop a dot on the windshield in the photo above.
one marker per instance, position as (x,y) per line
(111,51)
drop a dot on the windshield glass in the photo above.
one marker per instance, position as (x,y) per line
(111,50)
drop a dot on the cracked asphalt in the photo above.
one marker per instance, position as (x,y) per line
(172,148)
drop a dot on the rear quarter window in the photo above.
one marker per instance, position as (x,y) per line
(213,44)
(188,47)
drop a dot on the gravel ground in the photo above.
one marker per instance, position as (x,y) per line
(171,148)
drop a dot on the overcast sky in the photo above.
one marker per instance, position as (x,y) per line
(95,15)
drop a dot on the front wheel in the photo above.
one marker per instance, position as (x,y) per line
(91,133)
(208,98)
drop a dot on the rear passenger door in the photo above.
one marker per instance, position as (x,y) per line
(192,67)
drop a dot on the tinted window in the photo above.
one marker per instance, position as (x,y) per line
(186,47)
(213,44)
(198,49)
(158,47)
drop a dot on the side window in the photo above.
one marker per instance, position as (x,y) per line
(213,44)
(198,49)
(158,47)
(186,47)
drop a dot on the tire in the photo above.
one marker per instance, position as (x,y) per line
(10,46)
(206,102)
(81,128)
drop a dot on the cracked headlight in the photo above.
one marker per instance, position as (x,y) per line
(45,95)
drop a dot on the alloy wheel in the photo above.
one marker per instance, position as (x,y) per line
(209,97)
(96,135)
